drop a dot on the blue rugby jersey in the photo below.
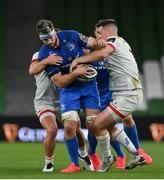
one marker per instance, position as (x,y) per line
(78,94)
(71,46)
(103,84)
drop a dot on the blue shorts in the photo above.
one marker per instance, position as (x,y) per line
(105,100)
(84,96)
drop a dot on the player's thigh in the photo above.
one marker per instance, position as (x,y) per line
(90,103)
(103,119)
(90,99)
(123,105)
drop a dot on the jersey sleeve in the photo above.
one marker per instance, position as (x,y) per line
(111,41)
(35,57)
(43,53)
(50,69)
(81,39)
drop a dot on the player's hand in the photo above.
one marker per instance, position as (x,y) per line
(100,43)
(54,60)
(73,65)
(82,69)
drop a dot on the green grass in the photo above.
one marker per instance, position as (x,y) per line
(25,161)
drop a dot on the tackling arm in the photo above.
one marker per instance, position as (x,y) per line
(93,56)
(96,44)
(91,42)
(37,66)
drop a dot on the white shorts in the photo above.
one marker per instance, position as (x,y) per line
(46,112)
(125,103)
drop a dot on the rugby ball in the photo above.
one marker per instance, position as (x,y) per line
(88,77)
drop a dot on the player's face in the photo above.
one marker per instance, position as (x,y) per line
(101,33)
(51,40)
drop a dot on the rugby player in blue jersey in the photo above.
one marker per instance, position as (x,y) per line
(74,94)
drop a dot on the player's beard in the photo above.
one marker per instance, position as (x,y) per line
(51,45)
(54,44)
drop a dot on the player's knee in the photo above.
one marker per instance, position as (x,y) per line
(70,129)
(52,131)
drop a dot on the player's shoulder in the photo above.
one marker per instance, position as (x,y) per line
(43,48)
(67,34)
(112,39)
(43,51)
(35,55)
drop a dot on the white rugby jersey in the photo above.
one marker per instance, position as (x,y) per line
(44,95)
(122,66)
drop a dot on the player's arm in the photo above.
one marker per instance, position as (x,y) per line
(95,55)
(86,51)
(98,54)
(37,66)
(66,79)
(96,44)
(90,42)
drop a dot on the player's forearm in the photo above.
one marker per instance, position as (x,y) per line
(91,57)
(64,80)
(95,55)
(36,68)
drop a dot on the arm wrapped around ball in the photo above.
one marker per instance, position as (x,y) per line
(90,75)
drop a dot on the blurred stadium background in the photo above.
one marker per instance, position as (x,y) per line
(140,23)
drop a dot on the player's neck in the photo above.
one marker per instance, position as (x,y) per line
(57,44)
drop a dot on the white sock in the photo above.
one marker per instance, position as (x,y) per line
(49,159)
(82,151)
(123,139)
(104,142)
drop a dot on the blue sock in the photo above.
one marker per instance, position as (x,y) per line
(133,135)
(72,147)
(117,147)
(92,143)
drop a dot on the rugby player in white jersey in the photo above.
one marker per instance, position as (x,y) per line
(44,102)
(124,84)
(44,107)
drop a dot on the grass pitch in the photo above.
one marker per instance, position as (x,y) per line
(26,160)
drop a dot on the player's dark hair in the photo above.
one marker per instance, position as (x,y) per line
(105,22)
(44,26)
(57,29)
